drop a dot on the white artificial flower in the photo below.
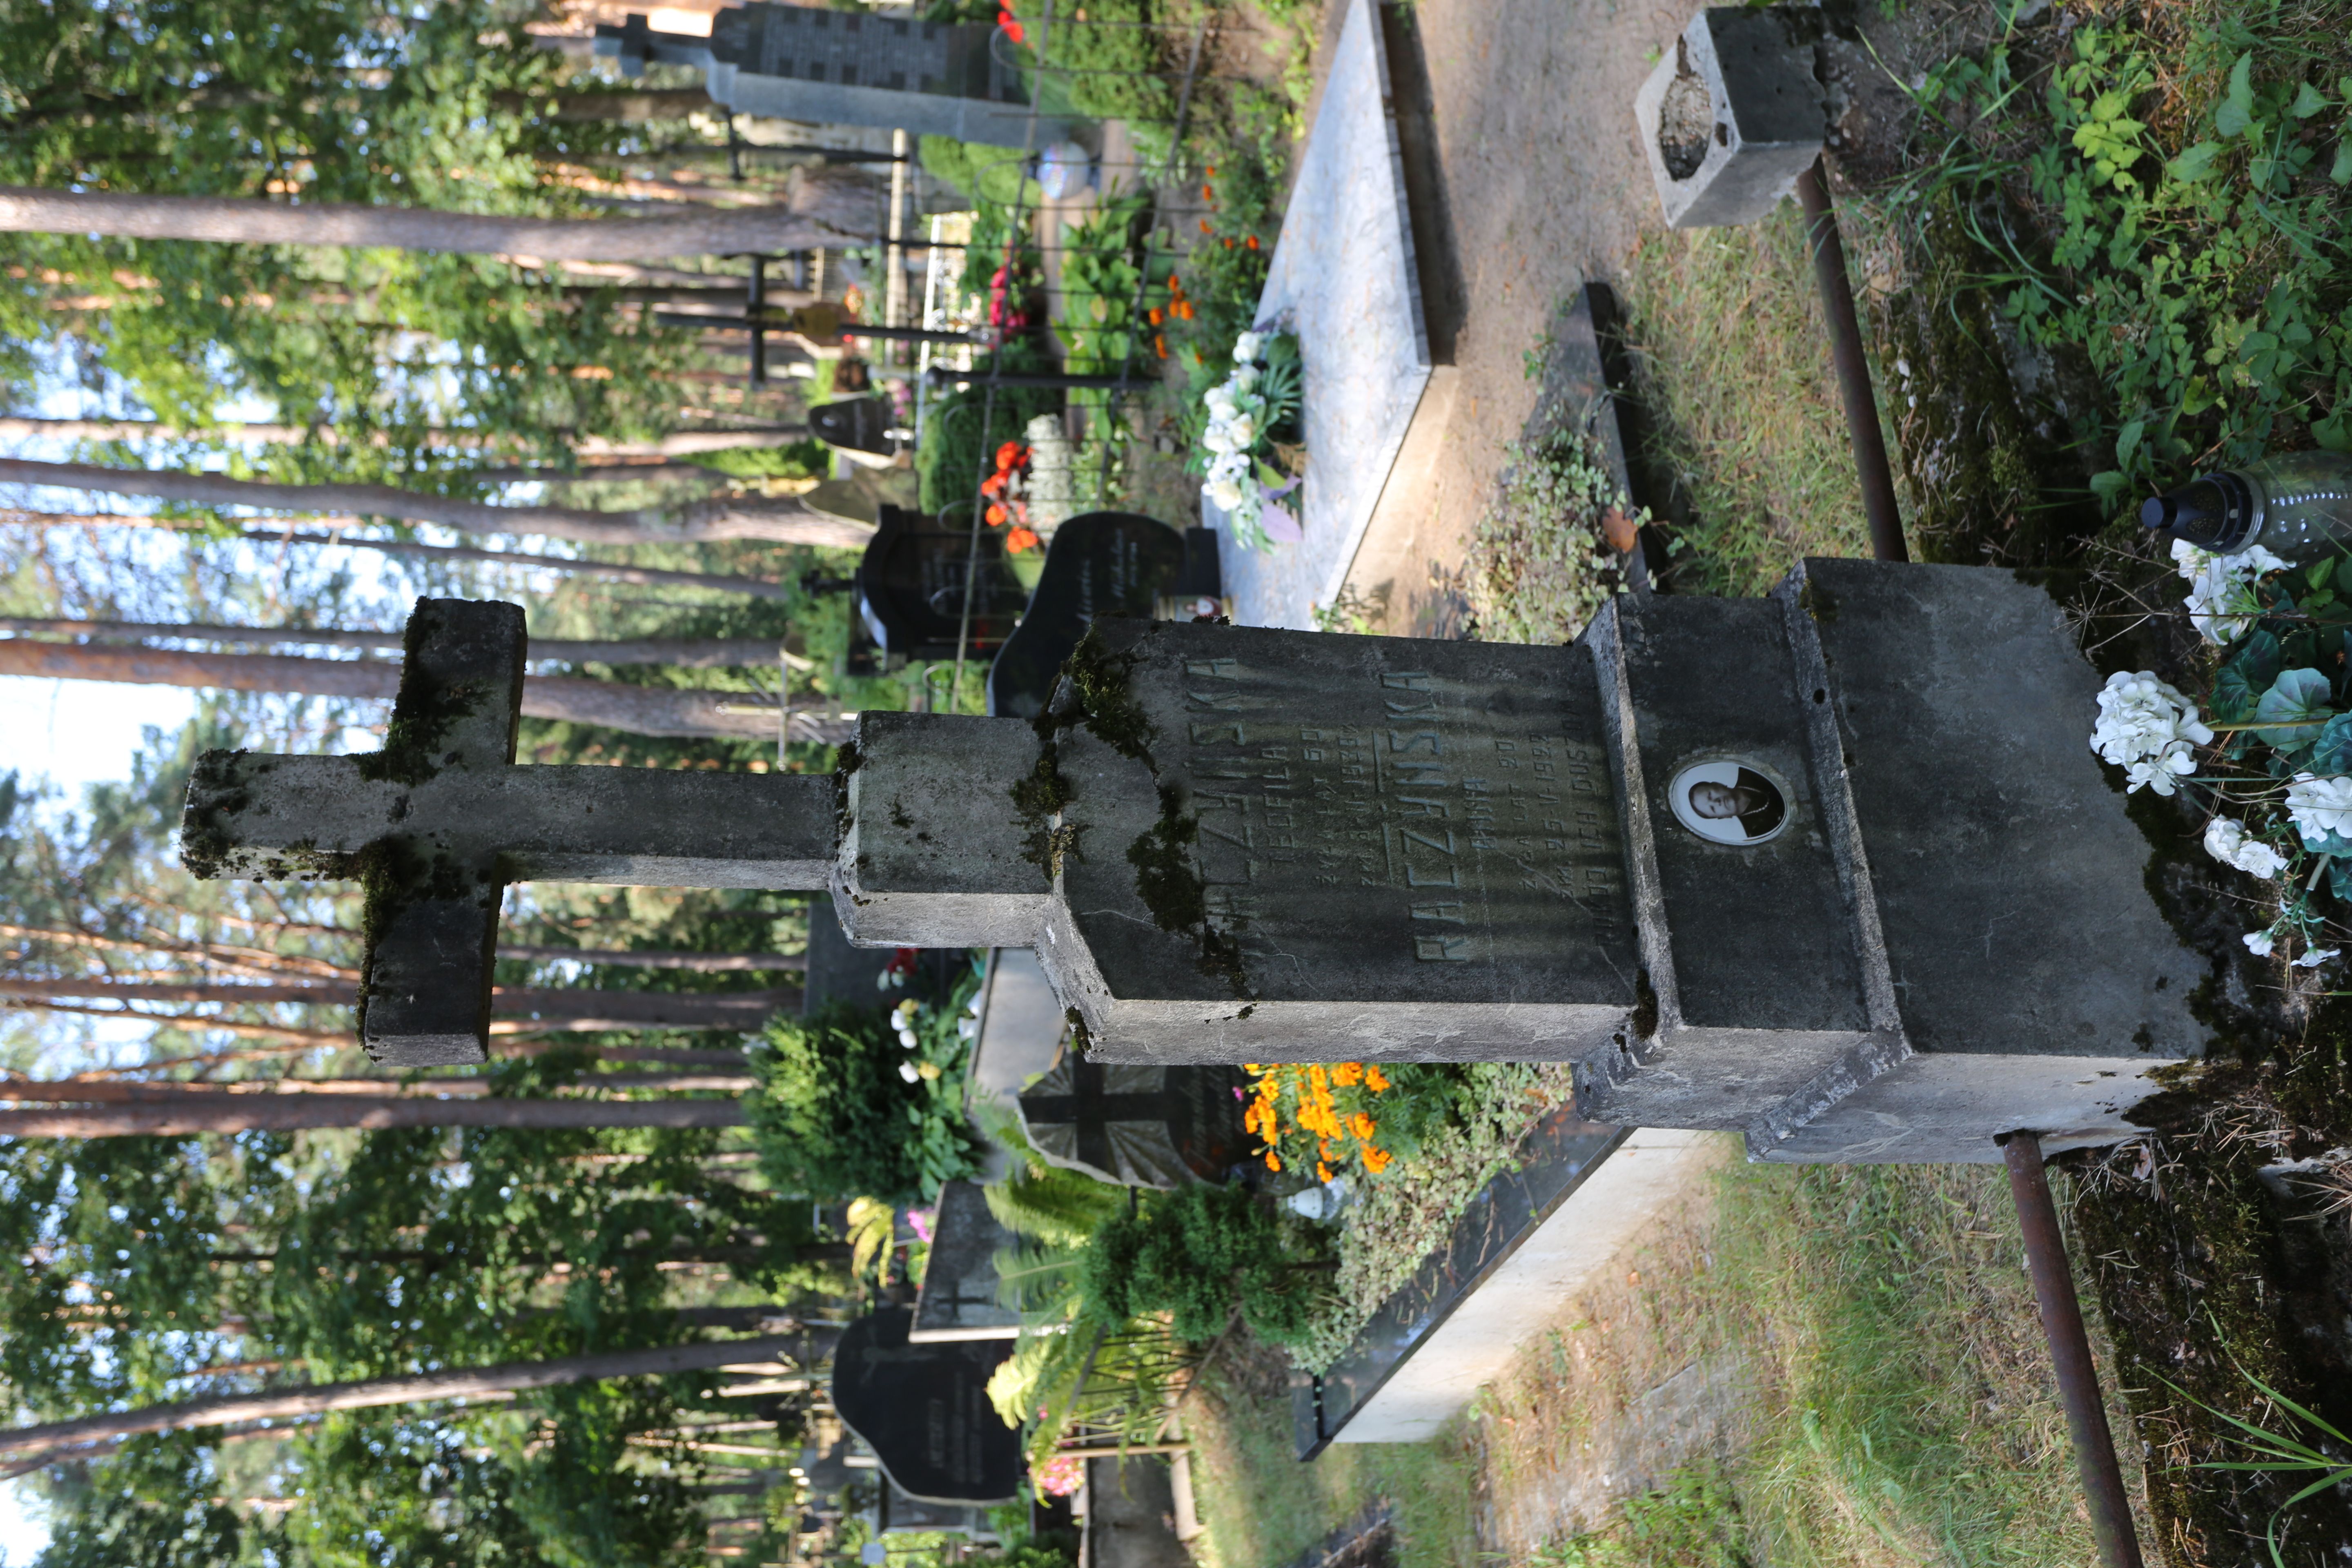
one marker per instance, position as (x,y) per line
(1248,347)
(967,1027)
(2146,729)
(1225,490)
(2221,600)
(1219,437)
(2227,841)
(2320,806)
(2259,943)
(1243,429)
(906,1071)
(1219,401)
(2315,957)
(903,1011)
(1245,379)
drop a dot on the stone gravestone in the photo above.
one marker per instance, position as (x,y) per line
(958,1300)
(1100,564)
(924,1410)
(855,425)
(910,588)
(825,67)
(1232,844)
(1138,1125)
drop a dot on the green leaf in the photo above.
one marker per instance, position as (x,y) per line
(2196,163)
(2308,101)
(2108,486)
(2245,677)
(2332,752)
(2236,110)
(2320,571)
(2294,705)
(2341,170)
(2128,441)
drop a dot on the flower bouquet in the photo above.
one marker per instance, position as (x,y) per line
(1004,494)
(1248,412)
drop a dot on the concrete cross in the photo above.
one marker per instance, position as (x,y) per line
(437,823)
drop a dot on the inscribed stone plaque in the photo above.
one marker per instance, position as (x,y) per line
(1102,564)
(959,1296)
(859,424)
(1137,1125)
(911,594)
(924,1410)
(1373,844)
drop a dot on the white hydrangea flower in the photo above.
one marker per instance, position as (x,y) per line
(2315,957)
(2259,943)
(2227,841)
(1248,347)
(2320,806)
(2221,600)
(2146,727)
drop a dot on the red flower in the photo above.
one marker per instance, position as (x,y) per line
(1018,540)
(1154,313)
(993,486)
(1160,346)
(1204,226)
(1010,23)
(1009,456)
(1250,242)
(996,516)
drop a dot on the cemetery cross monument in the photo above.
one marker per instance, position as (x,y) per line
(1834,868)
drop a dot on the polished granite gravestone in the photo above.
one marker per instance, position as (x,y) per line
(1099,563)
(924,1410)
(911,594)
(1833,870)
(855,425)
(1138,1125)
(823,66)
(958,1298)
(1343,278)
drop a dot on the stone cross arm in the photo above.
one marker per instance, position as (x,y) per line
(438,822)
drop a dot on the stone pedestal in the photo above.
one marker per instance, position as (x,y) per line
(1733,115)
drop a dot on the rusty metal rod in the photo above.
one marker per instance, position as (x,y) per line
(2070,1353)
(1853,369)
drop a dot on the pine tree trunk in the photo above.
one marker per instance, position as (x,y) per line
(706,653)
(191,1113)
(554,1007)
(590,448)
(660,711)
(249,220)
(175,1093)
(783,520)
(464,1382)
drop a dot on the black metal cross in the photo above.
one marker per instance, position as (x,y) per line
(1090,1108)
(437,824)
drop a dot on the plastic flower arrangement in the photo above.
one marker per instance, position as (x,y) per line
(2276,732)
(1329,1116)
(1006,503)
(1246,411)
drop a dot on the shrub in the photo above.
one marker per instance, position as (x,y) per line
(1193,1254)
(835,1117)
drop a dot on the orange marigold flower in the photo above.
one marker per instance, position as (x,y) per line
(1213,170)
(1184,309)
(1229,242)
(1159,346)
(1154,315)
(1204,226)
(1175,284)
(1321,1079)
(1361,1126)
(1273,1161)
(1377,1160)
(1347,1074)
(1208,193)
(1250,242)
(1322,1172)
(1374,1078)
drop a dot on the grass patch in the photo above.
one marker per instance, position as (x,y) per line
(1871,1335)
(1730,350)
(1260,1507)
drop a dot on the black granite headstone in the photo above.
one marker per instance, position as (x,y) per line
(1140,1126)
(910,588)
(924,1410)
(1100,564)
(819,65)
(959,1296)
(859,424)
